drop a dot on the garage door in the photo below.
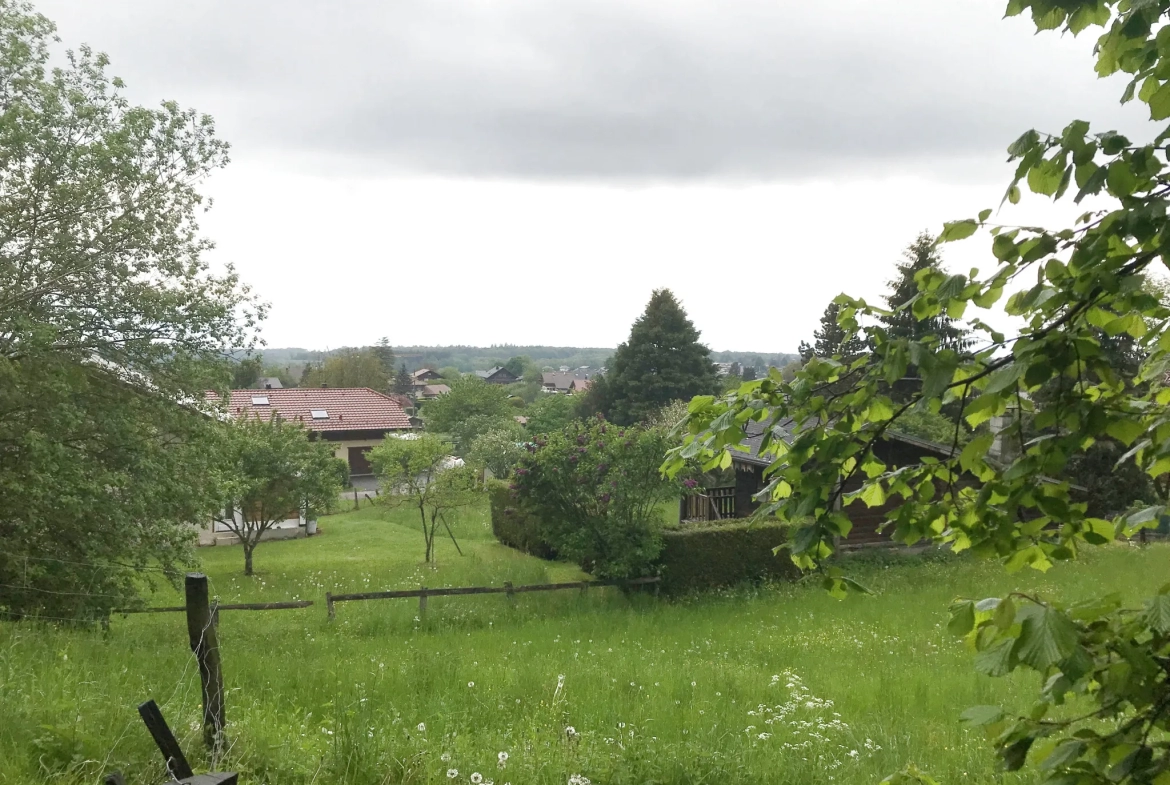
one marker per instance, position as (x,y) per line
(359,462)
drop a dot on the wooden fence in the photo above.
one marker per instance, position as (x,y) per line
(422,593)
(714,504)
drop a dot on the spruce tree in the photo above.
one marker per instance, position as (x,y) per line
(920,255)
(403,383)
(661,362)
(385,354)
(831,340)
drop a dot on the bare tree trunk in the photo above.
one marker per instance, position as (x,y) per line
(248,556)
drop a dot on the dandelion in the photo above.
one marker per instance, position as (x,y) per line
(692,684)
(579,779)
(445,757)
(452,773)
(470,684)
(476,778)
(502,759)
(571,733)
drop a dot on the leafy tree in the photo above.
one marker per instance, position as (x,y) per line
(749,373)
(272,471)
(111,327)
(403,383)
(421,473)
(471,408)
(831,340)
(499,449)
(246,373)
(550,413)
(1107,660)
(385,354)
(661,362)
(518,366)
(351,368)
(598,491)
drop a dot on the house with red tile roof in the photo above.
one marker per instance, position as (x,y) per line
(352,419)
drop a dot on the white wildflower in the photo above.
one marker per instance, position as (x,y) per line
(452,773)
(502,759)
(476,778)
(422,727)
(445,757)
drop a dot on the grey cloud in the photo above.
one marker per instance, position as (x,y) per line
(592,89)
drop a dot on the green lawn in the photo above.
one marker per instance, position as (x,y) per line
(782,684)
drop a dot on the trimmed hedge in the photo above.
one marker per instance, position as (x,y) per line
(695,558)
(514,525)
(724,554)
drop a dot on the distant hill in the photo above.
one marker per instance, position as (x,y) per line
(477,358)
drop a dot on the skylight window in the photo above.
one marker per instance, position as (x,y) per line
(319,414)
(259,400)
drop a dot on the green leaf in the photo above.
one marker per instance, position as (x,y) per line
(998,660)
(1159,103)
(975,450)
(984,215)
(1125,431)
(1065,753)
(962,618)
(1157,613)
(1120,178)
(1004,378)
(982,715)
(1047,636)
(957,230)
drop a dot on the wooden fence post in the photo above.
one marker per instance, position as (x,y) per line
(422,602)
(205,644)
(176,762)
(329,605)
(355,499)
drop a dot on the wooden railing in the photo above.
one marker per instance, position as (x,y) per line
(423,592)
(713,504)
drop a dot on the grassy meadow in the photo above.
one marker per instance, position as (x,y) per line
(780,684)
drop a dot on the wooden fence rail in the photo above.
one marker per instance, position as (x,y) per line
(422,593)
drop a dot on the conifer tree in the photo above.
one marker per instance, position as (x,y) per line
(831,340)
(403,384)
(385,354)
(661,362)
(922,254)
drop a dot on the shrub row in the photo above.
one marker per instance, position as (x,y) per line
(515,526)
(694,558)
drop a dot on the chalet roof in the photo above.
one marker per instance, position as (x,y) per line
(434,390)
(424,373)
(344,408)
(270,383)
(755,435)
(558,380)
(490,372)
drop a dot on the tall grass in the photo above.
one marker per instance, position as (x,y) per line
(780,684)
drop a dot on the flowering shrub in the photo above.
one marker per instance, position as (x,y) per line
(597,490)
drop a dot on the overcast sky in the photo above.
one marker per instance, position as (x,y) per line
(527,171)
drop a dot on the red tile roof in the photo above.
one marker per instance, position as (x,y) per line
(349,408)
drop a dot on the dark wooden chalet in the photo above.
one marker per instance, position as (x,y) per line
(736,501)
(498,375)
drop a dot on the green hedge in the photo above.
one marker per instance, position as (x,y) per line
(724,554)
(694,558)
(513,525)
